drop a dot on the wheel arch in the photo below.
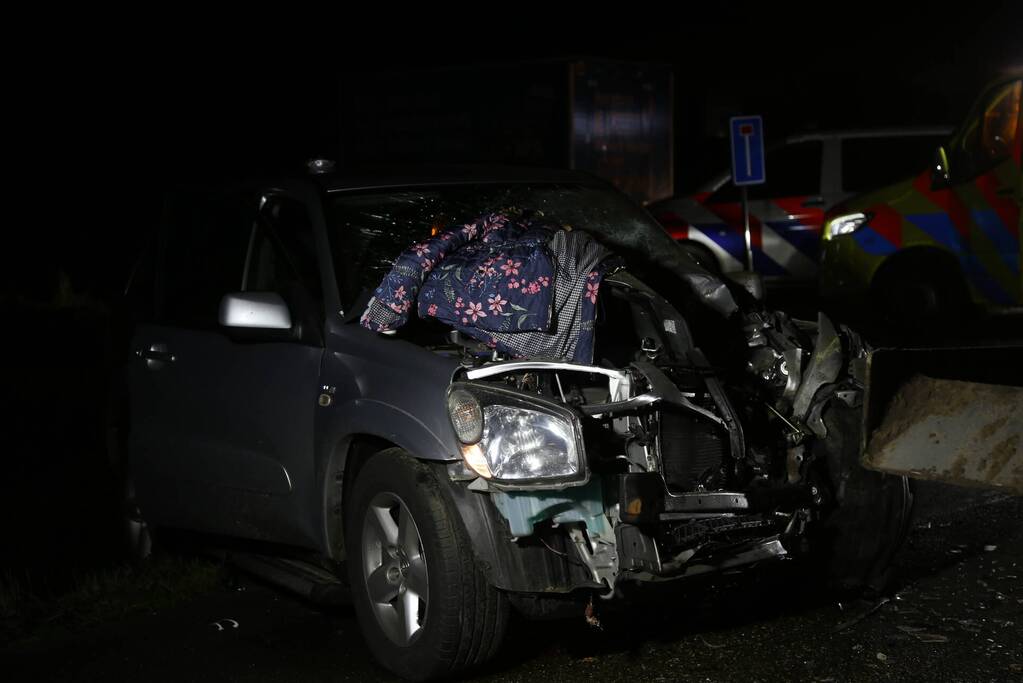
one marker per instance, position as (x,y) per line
(530,569)
(356,431)
(346,458)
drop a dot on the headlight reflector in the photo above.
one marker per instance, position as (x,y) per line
(516,439)
(845,224)
(523,444)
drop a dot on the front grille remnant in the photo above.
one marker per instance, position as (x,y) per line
(690,447)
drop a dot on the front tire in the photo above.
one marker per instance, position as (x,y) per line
(424,607)
(137,542)
(871,513)
(136,532)
(920,298)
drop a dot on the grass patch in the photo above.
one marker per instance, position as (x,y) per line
(99,596)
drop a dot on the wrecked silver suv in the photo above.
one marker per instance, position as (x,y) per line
(441,478)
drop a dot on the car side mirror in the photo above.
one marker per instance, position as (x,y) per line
(258,310)
(940,175)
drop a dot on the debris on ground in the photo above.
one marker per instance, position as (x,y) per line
(863,615)
(920,633)
(221,624)
(710,645)
(591,615)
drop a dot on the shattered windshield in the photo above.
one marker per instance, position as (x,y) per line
(369,230)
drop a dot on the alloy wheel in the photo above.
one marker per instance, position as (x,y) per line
(394,568)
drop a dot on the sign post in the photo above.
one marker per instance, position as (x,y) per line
(747,165)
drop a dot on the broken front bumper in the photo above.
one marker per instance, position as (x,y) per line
(560,541)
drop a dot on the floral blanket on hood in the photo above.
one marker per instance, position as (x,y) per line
(521,286)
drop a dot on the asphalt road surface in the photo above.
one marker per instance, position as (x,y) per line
(956,616)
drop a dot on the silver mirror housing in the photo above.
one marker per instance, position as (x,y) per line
(260,310)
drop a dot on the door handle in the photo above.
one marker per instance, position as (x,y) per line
(156,352)
(813,202)
(1003,191)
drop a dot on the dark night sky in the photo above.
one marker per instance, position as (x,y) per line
(122,115)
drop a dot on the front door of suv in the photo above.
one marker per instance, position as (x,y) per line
(222,419)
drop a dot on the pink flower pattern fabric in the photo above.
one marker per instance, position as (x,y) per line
(493,283)
(519,286)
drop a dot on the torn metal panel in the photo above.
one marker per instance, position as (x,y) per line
(634,237)
(767,549)
(959,432)
(825,366)
(505,367)
(661,389)
(599,553)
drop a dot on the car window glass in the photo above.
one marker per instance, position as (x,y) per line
(268,269)
(278,264)
(989,136)
(368,230)
(203,254)
(1001,122)
(870,163)
(284,253)
(792,171)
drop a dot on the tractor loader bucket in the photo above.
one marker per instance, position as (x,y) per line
(950,415)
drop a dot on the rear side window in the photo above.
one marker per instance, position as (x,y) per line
(203,245)
(792,171)
(870,163)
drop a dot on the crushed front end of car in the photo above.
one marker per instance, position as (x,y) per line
(657,464)
(607,414)
(623,415)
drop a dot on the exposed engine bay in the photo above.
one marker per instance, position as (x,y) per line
(683,467)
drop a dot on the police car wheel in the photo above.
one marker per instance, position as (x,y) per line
(924,298)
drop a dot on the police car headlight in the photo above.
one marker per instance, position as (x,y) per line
(517,440)
(845,224)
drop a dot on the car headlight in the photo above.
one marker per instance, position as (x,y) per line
(517,440)
(845,224)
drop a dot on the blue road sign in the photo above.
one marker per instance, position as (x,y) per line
(747,150)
